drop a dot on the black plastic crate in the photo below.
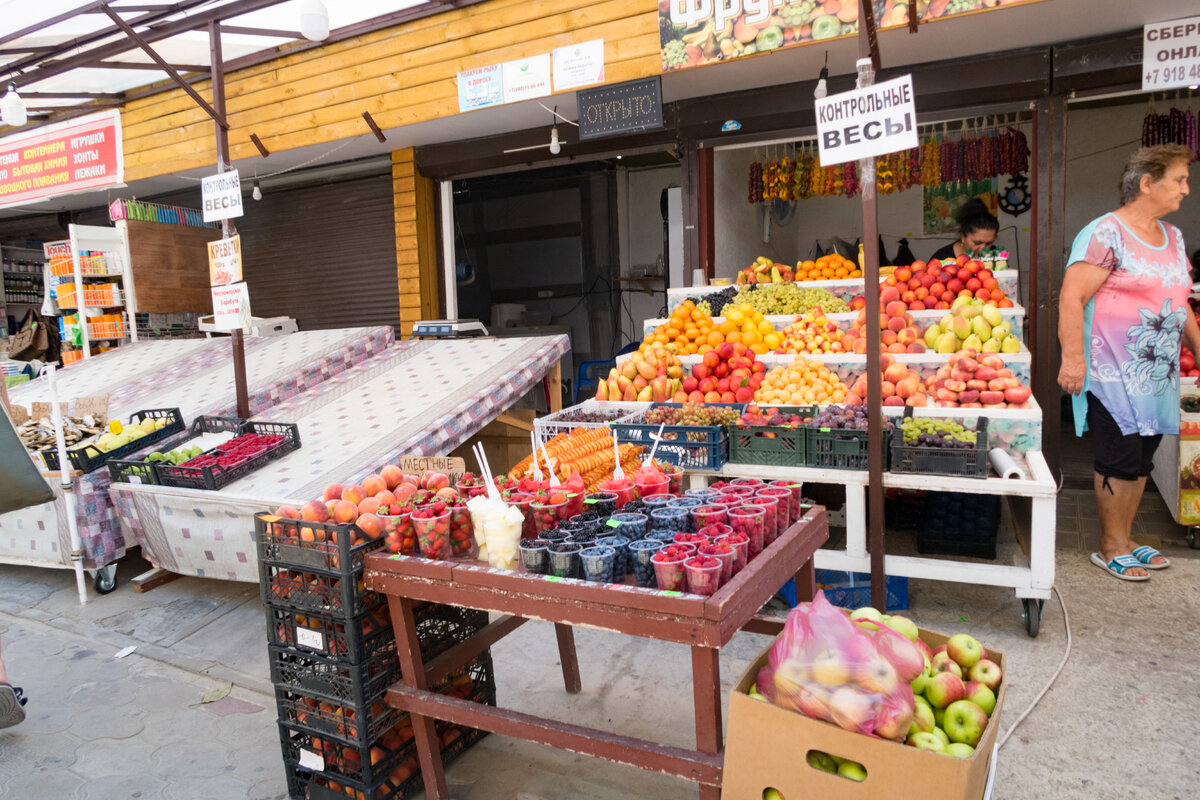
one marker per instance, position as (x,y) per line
(959,463)
(352,640)
(904,511)
(213,476)
(958,524)
(91,459)
(313,546)
(358,723)
(838,448)
(337,681)
(346,595)
(771,445)
(122,471)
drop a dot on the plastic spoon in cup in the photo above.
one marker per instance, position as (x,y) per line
(549,467)
(618,473)
(537,470)
(481,457)
(657,437)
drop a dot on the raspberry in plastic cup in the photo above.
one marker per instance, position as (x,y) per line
(749,520)
(741,550)
(728,500)
(642,551)
(707,515)
(564,560)
(797,490)
(715,530)
(723,552)
(546,516)
(654,501)
(603,503)
(685,537)
(623,489)
(399,535)
(645,488)
(631,525)
(462,532)
(741,491)
(771,523)
(535,556)
(668,567)
(703,574)
(758,483)
(433,532)
(599,564)
(784,509)
(522,500)
(670,519)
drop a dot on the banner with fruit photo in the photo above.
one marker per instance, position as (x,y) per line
(695,32)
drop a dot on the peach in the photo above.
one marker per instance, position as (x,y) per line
(392,475)
(404,491)
(888,388)
(896,347)
(385,498)
(333,492)
(915,347)
(314,511)
(889,294)
(893,401)
(368,506)
(896,324)
(907,388)
(373,485)
(897,308)
(860,346)
(894,372)
(888,337)
(370,524)
(354,494)
(345,511)
(287,512)
(902,274)
(712,397)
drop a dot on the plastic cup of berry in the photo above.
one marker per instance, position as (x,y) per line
(642,551)
(707,515)
(547,515)
(750,520)
(564,559)
(741,550)
(624,562)
(670,519)
(723,552)
(535,556)
(797,490)
(784,510)
(433,532)
(668,567)
(599,564)
(399,534)
(771,527)
(603,503)
(703,574)
(629,524)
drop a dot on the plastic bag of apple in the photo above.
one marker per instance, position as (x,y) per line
(870,673)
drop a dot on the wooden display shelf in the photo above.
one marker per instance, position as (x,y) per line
(169,266)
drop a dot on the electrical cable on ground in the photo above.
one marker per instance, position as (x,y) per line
(1053,678)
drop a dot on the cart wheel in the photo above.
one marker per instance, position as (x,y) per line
(1032,615)
(1193,537)
(105,580)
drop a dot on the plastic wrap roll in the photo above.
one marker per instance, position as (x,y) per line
(1004,465)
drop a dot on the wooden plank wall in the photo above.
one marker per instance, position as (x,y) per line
(402,75)
(416,242)
(170,266)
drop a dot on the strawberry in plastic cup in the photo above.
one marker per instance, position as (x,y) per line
(674,477)
(433,531)
(683,537)
(723,552)
(797,489)
(399,534)
(771,522)
(668,567)
(741,550)
(703,574)
(707,515)
(462,532)
(751,521)
(549,510)
(715,530)
(469,486)
(623,489)
(784,509)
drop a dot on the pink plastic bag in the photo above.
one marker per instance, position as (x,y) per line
(826,667)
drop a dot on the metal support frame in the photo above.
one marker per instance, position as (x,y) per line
(446,191)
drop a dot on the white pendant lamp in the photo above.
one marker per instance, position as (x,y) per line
(555,147)
(12,108)
(314,20)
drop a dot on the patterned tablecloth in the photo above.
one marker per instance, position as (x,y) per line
(195,375)
(423,400)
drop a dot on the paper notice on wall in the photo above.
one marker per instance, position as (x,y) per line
(526,78)
(231,307)
(1171,54)
(579,65)
(480,88)
(868,122)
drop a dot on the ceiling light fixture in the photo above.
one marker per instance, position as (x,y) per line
(314,20)
(12,108)
(822,87)
(555,147)
(256,192)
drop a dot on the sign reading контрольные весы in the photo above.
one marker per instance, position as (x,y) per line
(868,122)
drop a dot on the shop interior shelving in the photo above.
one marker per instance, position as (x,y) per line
(21,281)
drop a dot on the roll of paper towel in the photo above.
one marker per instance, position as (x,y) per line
(699,278)
(1004,465)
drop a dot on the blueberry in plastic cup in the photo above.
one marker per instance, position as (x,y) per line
(599,563)
(642,551)
(535,556)
(660,500)
(670,519)
(623,562)
(703,495)
(632,524)
(564,560)
(685,502)
(664,536)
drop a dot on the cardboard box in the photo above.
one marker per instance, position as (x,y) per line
(767,747)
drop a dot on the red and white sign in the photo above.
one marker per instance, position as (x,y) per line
(231,307)
(70,157)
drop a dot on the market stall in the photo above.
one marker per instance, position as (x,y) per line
(191,375)
(424,398)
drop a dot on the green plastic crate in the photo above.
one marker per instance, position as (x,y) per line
(771,445)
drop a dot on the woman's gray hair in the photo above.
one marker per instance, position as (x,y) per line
(1152,161)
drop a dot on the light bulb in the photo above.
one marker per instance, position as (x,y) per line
(822,87)
(314,20)
(256,192)
(12,108)
(555,147)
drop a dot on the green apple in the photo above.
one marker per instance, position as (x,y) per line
(965,722)
(922,719)
(959,750)
(927,741)
(964,649)
(904,626)
(822,761)
(939,716)
(920,682)
(944,689)
(852,770)
(979,694)
(772,794)
(940,732)
(757,695)
(866,618)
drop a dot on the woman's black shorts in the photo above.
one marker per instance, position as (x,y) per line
(1118,455)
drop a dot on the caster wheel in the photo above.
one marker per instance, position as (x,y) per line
(105,580)
(1032,615)
(1193,537)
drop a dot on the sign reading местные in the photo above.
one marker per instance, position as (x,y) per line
(868,122)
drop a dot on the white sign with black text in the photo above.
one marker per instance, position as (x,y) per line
(222,195)
(868,122)
(1171,54)
(231,307)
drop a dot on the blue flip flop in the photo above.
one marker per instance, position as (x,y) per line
(1118,566)
(1145,553)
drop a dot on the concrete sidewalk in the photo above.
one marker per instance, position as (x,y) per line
(1119,723)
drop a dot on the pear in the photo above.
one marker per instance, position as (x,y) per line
(992,315)
(972,342)
(147,425)
(946,322)
(931,336)
(991,346)
(959,303)
(981,328)
(1001,331)
(947,343)
(971,312)
(1010,345)
(961,327)
(160,423)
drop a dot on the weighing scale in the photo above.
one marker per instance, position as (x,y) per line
(448,329)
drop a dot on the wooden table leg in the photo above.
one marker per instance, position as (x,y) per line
(806,582)
(566,656)
(553,384)
(412,670)
(706,696)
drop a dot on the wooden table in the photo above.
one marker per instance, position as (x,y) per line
(703,623)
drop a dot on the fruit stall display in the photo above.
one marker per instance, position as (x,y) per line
(1177,460)
(115,440)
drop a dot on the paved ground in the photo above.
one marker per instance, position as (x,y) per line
(1119,724)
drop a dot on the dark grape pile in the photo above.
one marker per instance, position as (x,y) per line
(925,432)
(847,417)
(603,415)
(691,414)
(715,302)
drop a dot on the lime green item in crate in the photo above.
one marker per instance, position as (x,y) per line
(15,380)
(771,445)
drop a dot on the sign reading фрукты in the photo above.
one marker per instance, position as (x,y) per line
(1171,54)
(222,195)
(623,108)
(868,122)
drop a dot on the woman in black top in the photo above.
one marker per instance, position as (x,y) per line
(977,229)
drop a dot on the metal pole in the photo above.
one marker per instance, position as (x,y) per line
(227,230)
(68,486)
(449,261)
(868,63)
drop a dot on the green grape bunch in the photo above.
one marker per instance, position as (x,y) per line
(937,433)
(789,298)
(674,54)
(797,12)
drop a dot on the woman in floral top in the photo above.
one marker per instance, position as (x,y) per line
(1123,313)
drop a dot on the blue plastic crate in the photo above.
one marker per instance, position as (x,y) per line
(685,446)
(852,589)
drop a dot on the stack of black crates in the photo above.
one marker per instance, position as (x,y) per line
(332,653)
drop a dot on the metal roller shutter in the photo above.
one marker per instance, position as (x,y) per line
(324,255)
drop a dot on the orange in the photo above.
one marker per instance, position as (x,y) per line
(727,327)
(733,336)
(715,338)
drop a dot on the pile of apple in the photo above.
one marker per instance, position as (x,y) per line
(898,332)
(975,380)
(812,333)
(974,325)
(954,695)
(937,284)
(651,374)
(727,374)
(901,386)
(764,270)
(774,417)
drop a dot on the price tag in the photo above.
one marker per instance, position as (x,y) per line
(795,485)
(673,594)
(805,505)
(573,494)
(311,761)
(825,430)
(589,501)
(307,637)
(552,578)
(134,478)
(614,523)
